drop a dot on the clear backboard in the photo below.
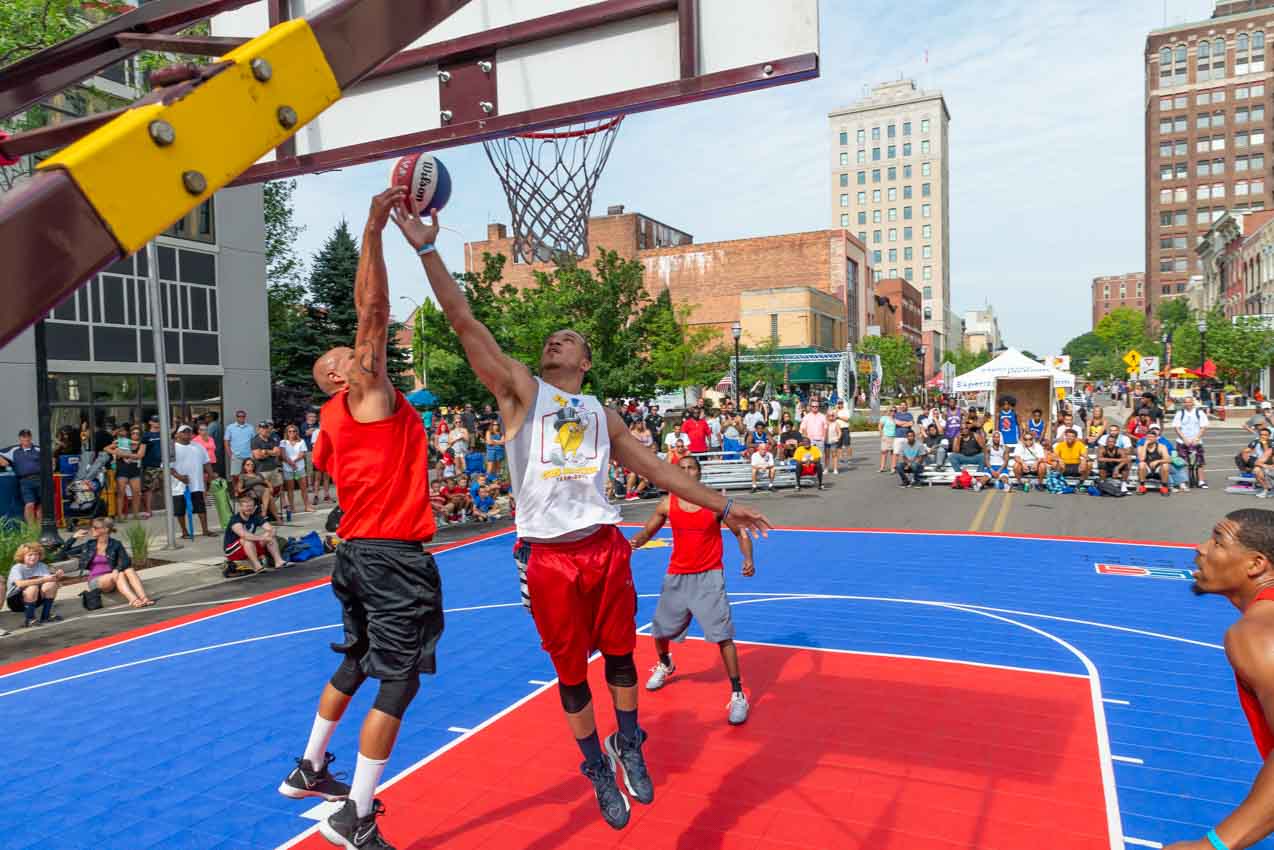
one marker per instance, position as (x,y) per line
(497,67)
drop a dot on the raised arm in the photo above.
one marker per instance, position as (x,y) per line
(656,522)
(371,395)
(507,379)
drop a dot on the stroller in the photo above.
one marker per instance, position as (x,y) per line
(82,494)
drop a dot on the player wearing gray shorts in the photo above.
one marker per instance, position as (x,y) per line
(695,588)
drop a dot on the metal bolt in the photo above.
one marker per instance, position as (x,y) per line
(162,133)
(444,76)
(487,106)
(485,66)
(767,70)
(261,70)
(287,117)
(445,115)
(195,182)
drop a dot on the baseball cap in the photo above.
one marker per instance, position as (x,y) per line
(265,423)
(1156,428)
(1265,405)
(184,428)
(153,419)
(241,413)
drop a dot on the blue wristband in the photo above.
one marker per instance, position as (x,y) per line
(427,248)
(1215,841)
(725,512)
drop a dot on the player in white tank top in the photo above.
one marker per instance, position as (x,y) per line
(560,443)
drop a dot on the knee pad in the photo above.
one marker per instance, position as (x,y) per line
(394,696)
(620,670)
(575,698)
(348,677)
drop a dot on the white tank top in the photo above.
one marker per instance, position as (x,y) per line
(557,466)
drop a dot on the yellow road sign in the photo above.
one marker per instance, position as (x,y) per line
(1133,359)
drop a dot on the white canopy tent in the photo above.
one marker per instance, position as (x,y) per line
(1011,364)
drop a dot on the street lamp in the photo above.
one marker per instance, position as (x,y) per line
(1203,342)
(924,382)
(736,331)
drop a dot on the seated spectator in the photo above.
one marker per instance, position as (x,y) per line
(248,536)
(1154,458)
(457,496)
(732,438)
(1256,458)
(1070,456)
(32,585)
(1067,424)
(448,464)
(1029,458)
(935,445)
(634,485)
(438,500)
(504,505)
(1261,419)
(909,459)
(968,447)
(762,465)
(995,467)
(483,504)
(107,563)
(809,463)
(1114,454)
(252,484)
(1096,427)
(789,441)
(1138,427)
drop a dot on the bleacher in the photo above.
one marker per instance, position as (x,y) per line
(732,471)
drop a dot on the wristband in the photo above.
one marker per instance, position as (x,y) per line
(427,248)
(725,512)
(1215,840)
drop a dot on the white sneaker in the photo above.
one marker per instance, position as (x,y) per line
(659,676)
(1183,488)
(738,709)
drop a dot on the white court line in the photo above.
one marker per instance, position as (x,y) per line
(1116,701)
(458,729)
(1042,538)
(1141,842)
(1128,759)
(538,682)
(323,810)
(166,608)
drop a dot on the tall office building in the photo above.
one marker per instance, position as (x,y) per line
(891,187)
(1207,143)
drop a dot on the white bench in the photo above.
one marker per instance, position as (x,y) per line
(720,474)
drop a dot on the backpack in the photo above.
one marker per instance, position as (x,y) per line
(963,481)
(1110,487)
(304,548)
(1055,483)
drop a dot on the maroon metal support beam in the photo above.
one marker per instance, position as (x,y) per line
(278,12)
(190,45)
(688,36)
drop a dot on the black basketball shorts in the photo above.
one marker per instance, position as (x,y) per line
(391,602)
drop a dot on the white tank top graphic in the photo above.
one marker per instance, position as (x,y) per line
(558,463)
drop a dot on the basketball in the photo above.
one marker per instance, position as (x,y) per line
(426,180)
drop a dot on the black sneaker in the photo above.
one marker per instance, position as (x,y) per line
(345,828)
(612,802)
(627,755)
(306,781)
(52,618)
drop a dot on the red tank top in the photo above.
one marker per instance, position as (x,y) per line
(380,469)
(1261,732)
(696,539)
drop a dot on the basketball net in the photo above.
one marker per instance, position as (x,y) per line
(549,179)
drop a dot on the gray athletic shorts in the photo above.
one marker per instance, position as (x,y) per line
(698,595)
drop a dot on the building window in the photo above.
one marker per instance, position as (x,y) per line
(906,172)
(844,179)
(924,210)
(1106,291)
(875,196)
(875,154)
(875,258)
(906,233)
(927,292)
(893,172)
(893,193)
(862,236)
(844,219)
(926,231)
(844,200)
(875,134)
(862,198)
(862,157)
(926,252)
(907,252)
(893,151)
(926,169)
(893,234)
(924,125)
(925,190)
(1179,148)
(844,158)
(908,273)
(906,193)
(1258,138)
(893,213)
(924,146)
(926,273)
(862,137)
(875,216)
(875,175)
(875,237)
(893,272)
(891,130)
(844,137)
(906,148)
(862,178)
(893,258)
(862,216)
(906,213)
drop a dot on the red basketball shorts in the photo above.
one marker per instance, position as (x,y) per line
(582,599)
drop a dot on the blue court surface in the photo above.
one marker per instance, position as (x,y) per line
(179,738)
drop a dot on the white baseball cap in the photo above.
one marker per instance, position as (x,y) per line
(1265,405)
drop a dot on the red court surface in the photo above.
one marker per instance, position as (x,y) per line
(842,751)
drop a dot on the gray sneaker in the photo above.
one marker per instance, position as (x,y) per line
(738,709)
(659,676)
(626,760)
(614,805)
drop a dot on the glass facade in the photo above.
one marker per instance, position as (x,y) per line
(97,399)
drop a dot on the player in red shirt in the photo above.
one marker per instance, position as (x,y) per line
(1237,562)
(695,587)
(375,449)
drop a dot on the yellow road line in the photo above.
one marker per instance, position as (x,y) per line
(1004,513)
(982,509)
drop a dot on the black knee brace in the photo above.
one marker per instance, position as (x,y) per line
(575,698)
(348,677)
(394,696)
(621,672)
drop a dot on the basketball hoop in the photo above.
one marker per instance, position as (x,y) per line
(549,178)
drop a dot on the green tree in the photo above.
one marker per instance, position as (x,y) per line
(1124,329)
(29,26)
(1172,314)
(898,361)
(965,360)
(1240,348)
(682,356)
(1082,349)
(770,372)
(284,271)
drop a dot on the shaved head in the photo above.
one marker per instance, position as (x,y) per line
(331,368)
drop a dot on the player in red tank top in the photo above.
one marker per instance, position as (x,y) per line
(1237,562)
(373,445)
(695,587)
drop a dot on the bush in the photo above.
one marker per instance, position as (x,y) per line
(138,540)
(858,422)
(13,533)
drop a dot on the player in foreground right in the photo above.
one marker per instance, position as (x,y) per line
(695,587)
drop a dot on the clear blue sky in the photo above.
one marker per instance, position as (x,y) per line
(1047,124)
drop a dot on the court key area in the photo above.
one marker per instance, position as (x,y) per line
(909,690)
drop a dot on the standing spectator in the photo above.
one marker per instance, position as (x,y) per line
(952,419)
(31,584)
(294,468)
(904,423)
(655,422)
(24,460)
(267,453)
(238,442)
(762,465)
(127,451)
(1006,422)
(320,480)
(776,411)
(152,465)
(833,442)
(696,431)
(217,434)
(485,420)
(714,430)
(469,419)
(887,429)
(458,441)
(1150,405)
(967,449)
(809,462)
(1029,458)
(814,426)
(1260,419)
(107,563)
(1191,424)
(753,416)
(1036,424)
(910,461)
(494,441)
(1067,424)
(190,465)
(844,417)
(203,437)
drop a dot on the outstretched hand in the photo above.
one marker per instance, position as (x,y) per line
(390,199)
(745,520)
(414,229)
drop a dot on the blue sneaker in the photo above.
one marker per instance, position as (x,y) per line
(612,802)
(626,760)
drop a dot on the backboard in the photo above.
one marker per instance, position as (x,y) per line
(497,67)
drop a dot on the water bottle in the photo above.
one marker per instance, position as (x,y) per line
(288,513)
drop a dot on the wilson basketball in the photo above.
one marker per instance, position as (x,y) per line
(426,180)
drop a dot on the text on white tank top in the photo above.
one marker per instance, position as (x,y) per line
(558,463)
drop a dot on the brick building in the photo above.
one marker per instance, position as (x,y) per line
(787,288)
(905,304)
(1207,142)
(1118,290)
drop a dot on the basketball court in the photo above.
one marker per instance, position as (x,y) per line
(910,689)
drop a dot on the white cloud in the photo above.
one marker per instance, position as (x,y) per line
(1047,135)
